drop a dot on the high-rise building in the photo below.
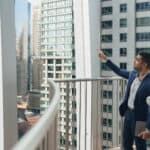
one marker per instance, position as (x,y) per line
(36,62)
(124,29)
(57,52)
(35,28)
(29,46)
(22,62)
(23,53)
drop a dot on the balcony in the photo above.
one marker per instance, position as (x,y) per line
(87,117)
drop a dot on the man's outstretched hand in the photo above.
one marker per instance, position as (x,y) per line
(102,55)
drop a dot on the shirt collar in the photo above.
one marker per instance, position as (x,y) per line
(143,76)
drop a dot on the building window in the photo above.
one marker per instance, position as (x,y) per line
(104,135)
(104,121)
(58,61)
(74,118)
(144,6)
(50,61)
(123,37)
(123,66)
(50,75)
(107,38)
(104,108)
(107,82)
(145,36)
(74,143)
(107,51)
(58,68)
(107,94)
(142,49)
(107,108)
(123,51)
(145,21)
(123,22)
(109,122)
(107,10)
(62,141)
(106,24)
(50,68)
(105,67)
(110,108)
(109,137)
(74,130)
(123,8)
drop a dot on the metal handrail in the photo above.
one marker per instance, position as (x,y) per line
(90,79)
(39,130)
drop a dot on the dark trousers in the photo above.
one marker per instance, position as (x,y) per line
(129,133)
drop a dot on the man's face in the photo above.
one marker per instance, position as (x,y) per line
(138,63)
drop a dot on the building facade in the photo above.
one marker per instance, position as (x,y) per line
(36,62)
(124,31)
(57,53)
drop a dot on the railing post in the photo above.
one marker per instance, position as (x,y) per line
(67,116)
(8,106)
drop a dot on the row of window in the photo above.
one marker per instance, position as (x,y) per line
(123,65)
(144,21)
(57,18)
(109,10)
(56,26)
(59,61)
(145,36)
(108,38)
(58,53)
(63,142)
(108,51)
(107,108)
(58,39)
(107,136)
(107,122)
(58,32)
(61,75)
(58,47)
(143,6)
(57,3)
(107,94)
(57,11)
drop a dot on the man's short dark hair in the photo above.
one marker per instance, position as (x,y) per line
(145,57)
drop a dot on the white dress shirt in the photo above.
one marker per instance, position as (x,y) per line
(133,90)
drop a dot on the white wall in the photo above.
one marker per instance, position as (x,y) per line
(8,106)
(87,26)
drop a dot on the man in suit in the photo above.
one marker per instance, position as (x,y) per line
(134,107)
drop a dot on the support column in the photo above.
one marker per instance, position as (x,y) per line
(8,107)
(87,40)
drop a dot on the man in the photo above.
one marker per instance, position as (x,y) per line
(134,107)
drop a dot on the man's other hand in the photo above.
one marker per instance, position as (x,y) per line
(145,134)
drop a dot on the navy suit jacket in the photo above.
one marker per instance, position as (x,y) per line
(140,105)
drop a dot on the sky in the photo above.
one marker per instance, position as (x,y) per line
(20,15)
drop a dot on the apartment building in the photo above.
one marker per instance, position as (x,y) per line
(124,31)
(57,52)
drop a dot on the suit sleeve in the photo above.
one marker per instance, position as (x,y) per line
(117,70)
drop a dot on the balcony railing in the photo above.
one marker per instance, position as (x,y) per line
(42,135)
(87,119)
